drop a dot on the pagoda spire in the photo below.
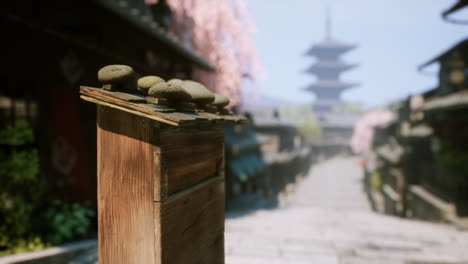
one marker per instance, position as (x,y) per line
(327,24)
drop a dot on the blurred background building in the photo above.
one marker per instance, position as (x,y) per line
(416,157)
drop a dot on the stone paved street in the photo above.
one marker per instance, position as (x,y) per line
(328,220)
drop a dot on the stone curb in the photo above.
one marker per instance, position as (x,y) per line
(54,255)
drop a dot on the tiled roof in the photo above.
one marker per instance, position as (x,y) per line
(330,85)
(330,65)
(330,45)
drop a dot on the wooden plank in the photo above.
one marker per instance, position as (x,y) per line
(125,193)
(211,117)
(188,164)
(159,176)
(191,225)
(102,103)
(190,156)
(168,114)
(449,102)
(133,98)
(176,138)
(181,178)
(215,253)
(149,109)
(234,119)
(193,153)
(177,141)
(188,118)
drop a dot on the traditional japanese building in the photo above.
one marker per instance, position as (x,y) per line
(66,45)
(419,161)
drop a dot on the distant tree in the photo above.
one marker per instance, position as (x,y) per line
(221,32)
(349,108)
(303,116)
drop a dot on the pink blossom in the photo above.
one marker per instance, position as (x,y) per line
(364,129)
(221,32)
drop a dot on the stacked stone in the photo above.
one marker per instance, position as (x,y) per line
(175,91)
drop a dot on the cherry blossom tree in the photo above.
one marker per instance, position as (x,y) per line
(364,129)
(221,32)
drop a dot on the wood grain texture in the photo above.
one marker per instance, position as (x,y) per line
(190,225)
(190,165)
(187,157)
(179,137)
(160,191)
(128,110)
(159,176)
(125,187)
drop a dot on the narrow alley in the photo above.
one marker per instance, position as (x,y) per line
(328,220)
(234,132)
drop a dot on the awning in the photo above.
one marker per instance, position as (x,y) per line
(245,166)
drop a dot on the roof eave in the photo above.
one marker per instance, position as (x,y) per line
(454,8)
(314,68)
(442,55)
(156,34)
(342,89)
(345,85)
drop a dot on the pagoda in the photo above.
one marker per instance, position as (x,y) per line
(336,124)
(328,68)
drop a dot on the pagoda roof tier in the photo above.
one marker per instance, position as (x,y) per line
(330,84)
(328,46)
(329,65)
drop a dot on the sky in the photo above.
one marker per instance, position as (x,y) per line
(394,37)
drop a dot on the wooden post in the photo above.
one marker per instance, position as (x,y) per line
(160,182)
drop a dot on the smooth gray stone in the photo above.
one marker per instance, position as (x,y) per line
(220,100)
(169,91)
(118,77)
(176,81)
(200,94)
(114,74)
(145,83)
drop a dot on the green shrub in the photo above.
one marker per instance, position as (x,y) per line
(375,180)
(30,217)
(21,190)
(67,221)
(305,119)
(453,155)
